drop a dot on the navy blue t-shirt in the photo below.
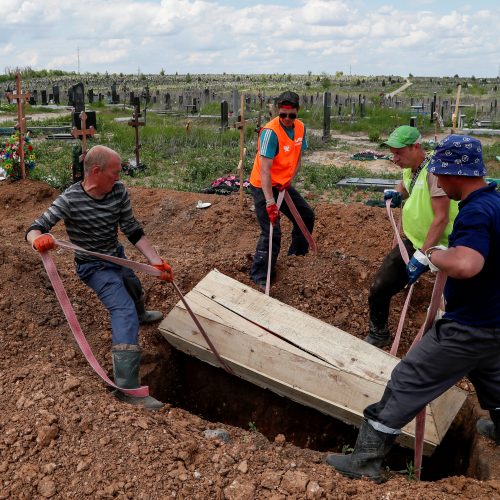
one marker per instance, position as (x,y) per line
(476,301)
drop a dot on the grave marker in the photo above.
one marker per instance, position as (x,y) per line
(78,97)
(136,123)
(20,99)
(44,97)
(55,91)
(224,116)
(327,108)
(82,134)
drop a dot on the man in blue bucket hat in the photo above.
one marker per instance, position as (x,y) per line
(466,340)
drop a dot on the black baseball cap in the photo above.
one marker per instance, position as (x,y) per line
(290,98)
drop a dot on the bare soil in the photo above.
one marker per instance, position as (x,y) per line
(64,435)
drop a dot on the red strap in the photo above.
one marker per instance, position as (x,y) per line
(279,201)
(300,222)
(432,310)
(73,321)
(69,312)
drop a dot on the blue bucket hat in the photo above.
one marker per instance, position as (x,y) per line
(458,155)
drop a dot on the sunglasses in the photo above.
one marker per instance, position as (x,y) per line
(292,116)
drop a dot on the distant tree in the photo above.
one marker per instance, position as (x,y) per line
(308,83)
(309,73)
(338,74)
(325,81)
(289,77)
(162,72)
(189,79)
(410,75)
(358,82)
(455,76)
(383,83)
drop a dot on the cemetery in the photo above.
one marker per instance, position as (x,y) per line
(287,376)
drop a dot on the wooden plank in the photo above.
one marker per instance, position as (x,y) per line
(338,347)
(325,375)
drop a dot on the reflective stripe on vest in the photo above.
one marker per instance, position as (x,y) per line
(285,162)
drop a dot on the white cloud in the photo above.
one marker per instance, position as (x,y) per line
(202,35)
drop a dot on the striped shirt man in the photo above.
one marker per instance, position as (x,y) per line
(92,223)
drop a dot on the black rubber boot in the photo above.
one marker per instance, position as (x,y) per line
(126,362)
(379,337)
(366,460)
(146,316)
(134,288)
(490,428)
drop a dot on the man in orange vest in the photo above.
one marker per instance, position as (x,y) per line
(280,145)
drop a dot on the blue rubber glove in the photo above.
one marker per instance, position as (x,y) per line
(395,196)
(416,266)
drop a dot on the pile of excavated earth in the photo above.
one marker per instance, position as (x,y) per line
(64,435)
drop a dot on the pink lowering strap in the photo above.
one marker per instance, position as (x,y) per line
(73,321)
(300,223)
(406,258)
(432,310)
(279,201)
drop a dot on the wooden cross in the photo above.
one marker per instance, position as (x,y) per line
(136,123)
(242,146)
(454,116)
(20,99)
(83,133)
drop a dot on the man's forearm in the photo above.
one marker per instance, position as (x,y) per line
(32,235)
(147,249)
(434,234)
(458,262)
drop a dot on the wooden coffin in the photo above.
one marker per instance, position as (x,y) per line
(304,359)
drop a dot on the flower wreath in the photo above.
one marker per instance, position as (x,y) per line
(9,156)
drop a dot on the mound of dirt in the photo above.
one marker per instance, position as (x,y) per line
(63,435)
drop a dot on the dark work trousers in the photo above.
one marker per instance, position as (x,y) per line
(448,352)
(390,279)
(298,246)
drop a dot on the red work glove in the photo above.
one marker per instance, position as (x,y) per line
(167,273)
(273,213)
(44,242)
(285,187)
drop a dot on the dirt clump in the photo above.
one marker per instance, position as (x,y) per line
(62,433)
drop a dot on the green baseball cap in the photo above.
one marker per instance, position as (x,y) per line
(403,136)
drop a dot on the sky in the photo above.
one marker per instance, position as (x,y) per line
(358,37)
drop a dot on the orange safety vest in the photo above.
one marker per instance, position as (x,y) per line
(285,162)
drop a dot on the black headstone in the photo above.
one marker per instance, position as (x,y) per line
(224,111)
(44,97)
(168,104)
(78,97)
(131,99)
(91,120)
(55,91)
(91,95)
(115,98)
(71,98)
(32,101)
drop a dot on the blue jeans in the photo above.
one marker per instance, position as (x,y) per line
(109,281)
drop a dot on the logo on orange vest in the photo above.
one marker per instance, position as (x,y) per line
(286,148)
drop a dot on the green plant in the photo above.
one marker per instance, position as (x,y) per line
(252,427)
(374,136)
(347,449)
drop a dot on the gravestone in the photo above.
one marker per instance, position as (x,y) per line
(236,100)
(168,104)
(327,107)
(7,92)
(181,101)
(35,95)
(78,97)
(206,96)
(115,98)
(247,104)
(224,116)
(32,101)
(154,99)
(131,98)
(101,97)
(71,101)
(55,91)
(44,97)
(91,95)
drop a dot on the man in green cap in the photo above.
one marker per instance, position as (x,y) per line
(428,216)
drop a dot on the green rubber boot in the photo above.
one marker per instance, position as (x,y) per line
(126,363)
